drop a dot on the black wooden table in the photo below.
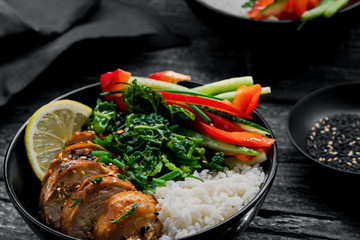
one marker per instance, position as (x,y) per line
(305,202)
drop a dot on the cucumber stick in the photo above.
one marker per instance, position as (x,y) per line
(250,128)
(231,95)
(325,8)
(226,85)
(155,84)
(274,8)
(335,7)
(218,145)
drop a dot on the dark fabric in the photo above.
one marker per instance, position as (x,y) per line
(34,33)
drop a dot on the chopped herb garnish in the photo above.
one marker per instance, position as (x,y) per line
(63,166)
(96,179)
(131,211)
(76,201)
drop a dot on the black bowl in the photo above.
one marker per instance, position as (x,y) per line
(239,29)
(336,99)
(24,188)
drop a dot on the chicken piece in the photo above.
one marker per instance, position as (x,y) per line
(60,185)
(82,136)
(85,206)
(140,224)
(76,151)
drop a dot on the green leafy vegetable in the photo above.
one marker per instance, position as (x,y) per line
(216,162)
(101,116)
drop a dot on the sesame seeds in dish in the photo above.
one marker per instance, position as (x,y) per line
(334,141)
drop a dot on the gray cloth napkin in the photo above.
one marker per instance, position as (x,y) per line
(33,33)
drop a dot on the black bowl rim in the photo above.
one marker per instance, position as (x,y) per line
(268,21)
(298,105)
(264,188)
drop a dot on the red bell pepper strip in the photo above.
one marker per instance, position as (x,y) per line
(246,100)
(189,99)
(246,139)
(259,5)
(111,82)
(312,4)
(300,7)
(170,76)
(222,123)
(216,131)
(289,6)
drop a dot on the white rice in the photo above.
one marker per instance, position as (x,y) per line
(187,207)
(230,6)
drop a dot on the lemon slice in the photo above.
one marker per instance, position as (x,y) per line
(48,130)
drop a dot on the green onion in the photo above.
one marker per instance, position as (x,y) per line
(201,113)
(192,176)
(169,175)
(109,93)
(191,93)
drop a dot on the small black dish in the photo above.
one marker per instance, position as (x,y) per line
(24,188)
(239,29)
(336,99)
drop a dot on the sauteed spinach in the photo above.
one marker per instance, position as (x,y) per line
(146,140)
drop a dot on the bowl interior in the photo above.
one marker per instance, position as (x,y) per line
(24,188)
(319,104)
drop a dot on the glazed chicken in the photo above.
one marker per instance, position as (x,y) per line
(60,185)
(75,151)
(115,224)
(83,208)
(83,136)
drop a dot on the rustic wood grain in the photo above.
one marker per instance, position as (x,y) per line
(305,202)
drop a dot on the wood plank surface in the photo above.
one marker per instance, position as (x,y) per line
(305,202)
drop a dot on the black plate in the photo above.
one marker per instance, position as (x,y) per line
(24,188)
(342,98)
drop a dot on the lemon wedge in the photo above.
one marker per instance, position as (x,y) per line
(48,130)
